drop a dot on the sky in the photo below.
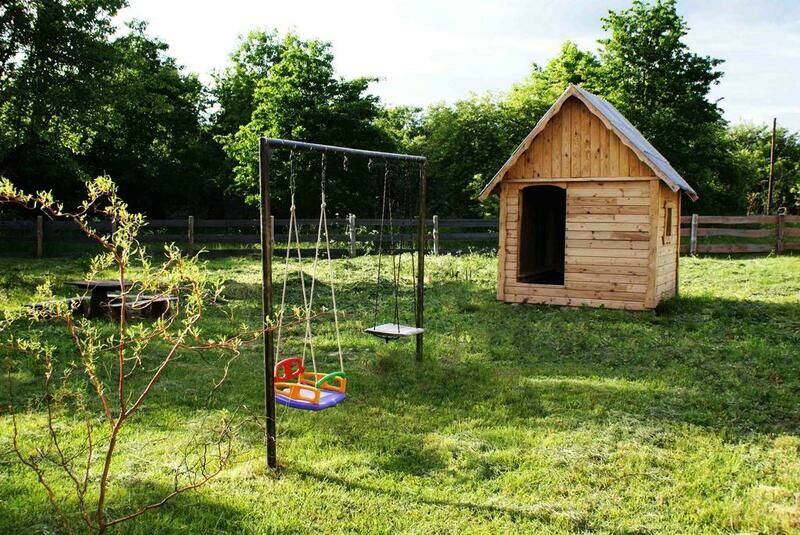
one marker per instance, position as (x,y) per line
(430,51)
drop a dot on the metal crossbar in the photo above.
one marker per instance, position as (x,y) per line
(316,147)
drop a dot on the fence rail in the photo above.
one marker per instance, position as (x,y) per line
(740,234)
(349,235)
(352,236)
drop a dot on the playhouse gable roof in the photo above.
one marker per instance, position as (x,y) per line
(614,121)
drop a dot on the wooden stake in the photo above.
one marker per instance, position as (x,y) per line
(435,233)
(39,236)
(190,233)
(351,222)
(781,222)
(272,228)
(693,236)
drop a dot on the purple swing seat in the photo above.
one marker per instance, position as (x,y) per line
(327,399)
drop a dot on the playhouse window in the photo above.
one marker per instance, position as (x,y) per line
(668,223)
(542,235)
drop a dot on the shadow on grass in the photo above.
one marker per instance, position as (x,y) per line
(717,363)
(542,513)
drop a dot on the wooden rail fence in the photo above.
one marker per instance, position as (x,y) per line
(740,234)
(352,236)
(349,235)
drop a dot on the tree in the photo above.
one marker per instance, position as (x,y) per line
(301,98)
(534,95)
(15,25)
(92,392)
(466,144)
(235,87)
(149,133)
(663,88)
(59,51)
(750,145)
(78,101)
(403,125)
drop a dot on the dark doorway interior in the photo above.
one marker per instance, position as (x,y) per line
(542,234)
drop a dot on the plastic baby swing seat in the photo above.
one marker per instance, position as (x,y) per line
(294,386)
(312,391)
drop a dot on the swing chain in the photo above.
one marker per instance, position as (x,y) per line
(380,240)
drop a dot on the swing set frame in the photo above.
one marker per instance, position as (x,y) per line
(265,148)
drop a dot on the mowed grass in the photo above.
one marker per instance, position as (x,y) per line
(520,418)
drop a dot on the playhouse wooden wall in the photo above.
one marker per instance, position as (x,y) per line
(607,253)
(615,255)
(576,144)
(667,244)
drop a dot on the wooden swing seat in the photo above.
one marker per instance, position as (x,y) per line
(392,331)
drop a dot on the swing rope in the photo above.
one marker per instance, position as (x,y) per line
(292,227)
(308,294)
(397,255)
(331,272)
(322,229)
(380,240)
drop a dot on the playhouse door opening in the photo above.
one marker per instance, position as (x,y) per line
(542,235)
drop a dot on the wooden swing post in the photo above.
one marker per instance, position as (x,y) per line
(265,155)
(421,263)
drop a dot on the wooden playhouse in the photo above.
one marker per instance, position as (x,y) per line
(589,211)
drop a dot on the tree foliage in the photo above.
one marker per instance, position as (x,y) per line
(150,129)
(55,54)
(300,97)
(78,100)
(79,97)
(750,145)
(662,87)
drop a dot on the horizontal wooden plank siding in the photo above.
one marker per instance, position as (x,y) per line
(666,263)
(573,301)
(607,232)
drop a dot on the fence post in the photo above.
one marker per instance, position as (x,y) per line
(780,227)
(435,232)
(39,236)
(351,230)
(272,229)
(693,236)
(190,233)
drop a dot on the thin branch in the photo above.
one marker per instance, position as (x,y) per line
(32,465)
(207,476)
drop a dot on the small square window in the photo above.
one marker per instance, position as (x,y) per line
(668,223)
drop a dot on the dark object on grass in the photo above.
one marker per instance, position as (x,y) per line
(150,306)
(99,296)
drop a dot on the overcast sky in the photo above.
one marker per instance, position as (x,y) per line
(428,51)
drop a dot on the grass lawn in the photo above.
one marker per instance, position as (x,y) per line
(521,418)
